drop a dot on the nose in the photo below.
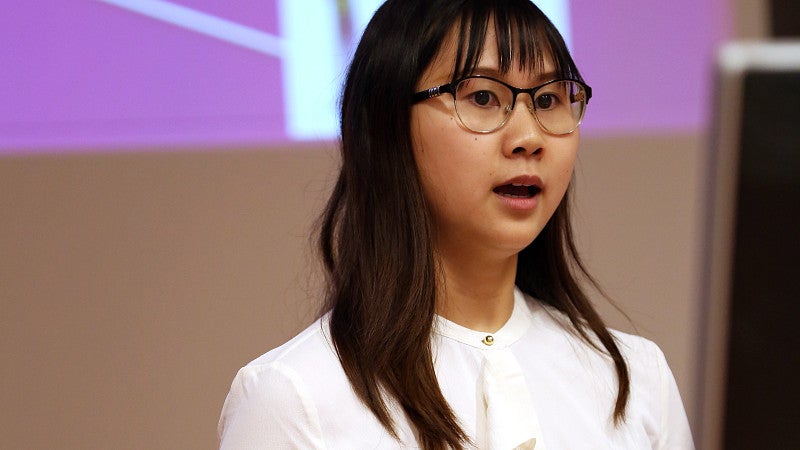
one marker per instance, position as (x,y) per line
(525,136)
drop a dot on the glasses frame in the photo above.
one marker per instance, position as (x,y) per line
(451,89)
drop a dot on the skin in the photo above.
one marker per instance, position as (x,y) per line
(478,234)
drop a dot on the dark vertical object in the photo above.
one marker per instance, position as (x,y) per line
(785,18)
(763,390)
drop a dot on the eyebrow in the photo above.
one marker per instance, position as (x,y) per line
(494,73)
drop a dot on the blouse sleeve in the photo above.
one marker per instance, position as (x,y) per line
(674,426)
(269,407)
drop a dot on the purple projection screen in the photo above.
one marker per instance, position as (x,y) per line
(107,75)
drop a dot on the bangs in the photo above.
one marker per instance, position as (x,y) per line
(525,39)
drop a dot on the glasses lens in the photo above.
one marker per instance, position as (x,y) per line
(559,106)
(482,104)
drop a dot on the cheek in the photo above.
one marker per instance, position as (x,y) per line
(439,181)
(564,169)
(427,153)
(438,152)
(568,169)
(569,156)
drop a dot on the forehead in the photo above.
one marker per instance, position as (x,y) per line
(445,66)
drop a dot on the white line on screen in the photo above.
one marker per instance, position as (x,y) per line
(204,23)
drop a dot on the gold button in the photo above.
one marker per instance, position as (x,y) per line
(488,340)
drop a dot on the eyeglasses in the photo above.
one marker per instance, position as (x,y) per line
(483,104)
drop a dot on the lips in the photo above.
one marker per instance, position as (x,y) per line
(520,187)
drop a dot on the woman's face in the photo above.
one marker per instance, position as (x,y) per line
(471,180)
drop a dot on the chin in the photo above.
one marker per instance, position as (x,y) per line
(513,246)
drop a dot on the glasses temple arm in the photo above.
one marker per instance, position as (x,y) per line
(433,92)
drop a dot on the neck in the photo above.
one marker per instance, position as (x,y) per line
(477,293)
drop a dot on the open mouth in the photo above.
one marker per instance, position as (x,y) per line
(514,190)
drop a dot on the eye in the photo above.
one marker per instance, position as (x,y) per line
(481,93)
(546,101)
(484,98)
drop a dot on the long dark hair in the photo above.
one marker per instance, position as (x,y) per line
(376,234)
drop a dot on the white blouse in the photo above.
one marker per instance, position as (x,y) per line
(533,384)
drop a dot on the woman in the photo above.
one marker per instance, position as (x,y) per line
(455,317)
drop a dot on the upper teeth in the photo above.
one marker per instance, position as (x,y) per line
(519,185)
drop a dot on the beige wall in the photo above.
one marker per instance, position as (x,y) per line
(752,19)
(133,286)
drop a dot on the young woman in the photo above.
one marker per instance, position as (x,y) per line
(455,318)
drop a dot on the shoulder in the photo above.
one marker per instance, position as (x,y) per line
(640,353)
(649,372)
(310,348)
(274,398)
(307,360)
(298,396)
(655,400)
(655,410)
(646,361)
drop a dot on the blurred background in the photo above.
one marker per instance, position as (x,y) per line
(162,164)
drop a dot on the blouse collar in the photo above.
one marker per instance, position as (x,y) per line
(512,331)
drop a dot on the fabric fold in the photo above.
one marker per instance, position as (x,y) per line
(506,414)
